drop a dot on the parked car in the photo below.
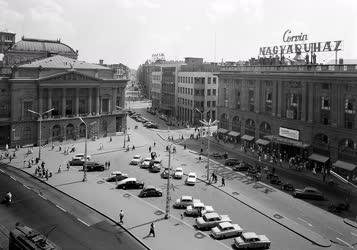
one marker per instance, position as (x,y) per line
(93,166)
(150,191)
(78,160)
(308,193)
(287,187)
(198,209)
(165,174)
(152,125)
(217,155)
(163,117)
(178,173)
(275,180)
(117,176)
(145,163)
(136,160)
(130,183)
(210,220)
(251,240)
(231,161)
(191,179)
(184,201)
(226,230)
(242,166)
(155,166)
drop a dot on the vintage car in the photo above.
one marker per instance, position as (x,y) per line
(178,173)
(150,191)
(136,160)
(93,166)
(308,193)
(145,163)
(191,179)
(130,183)
(242,166)
(184,201)
(78,160)
(231,162)
(116,176)
(209,220)
(251,240)
(166,173)
(226,230)
(198,209)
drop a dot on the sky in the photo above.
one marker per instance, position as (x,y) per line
(130,31)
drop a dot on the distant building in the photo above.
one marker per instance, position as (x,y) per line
(7,39)
(120,70)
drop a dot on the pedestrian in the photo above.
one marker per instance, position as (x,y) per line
(60,148)
(149,149)
(46,174)
(184,146)
(154,144)
(59,169)
(152,229)
(67,165)
(121,216)
(223,182)
(10,158)
(110,140)
(108,164)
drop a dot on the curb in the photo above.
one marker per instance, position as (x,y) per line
(350,222)
(91,208)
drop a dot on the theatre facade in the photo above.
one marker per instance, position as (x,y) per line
(309,110)
(72,89)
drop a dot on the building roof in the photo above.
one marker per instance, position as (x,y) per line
(29,44)
(61,62)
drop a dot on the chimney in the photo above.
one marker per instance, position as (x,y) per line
(101,61)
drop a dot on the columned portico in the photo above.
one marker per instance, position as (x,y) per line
(90,101)
(97,102)
(63,102)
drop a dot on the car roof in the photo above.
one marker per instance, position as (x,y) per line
(150,187)
(211,215)
(179,169)
(157,160)
(147,159)
(198,203)
(137,156)
(127,179)
(249,235)
(192,173)
(225,224)
(116,173)
(186,197)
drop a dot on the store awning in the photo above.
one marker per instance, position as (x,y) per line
(233,133)
(247,138)
(262,142)
(319,158)
(344,165)
(286,141)
(222,131)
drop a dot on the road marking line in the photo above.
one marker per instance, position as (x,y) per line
(2,171)
(85,223)
(26,186)
(334,230)
(43,197)
(227,168)
(347,244)
(64,210)
(13,178)
(354,234)
(305,221)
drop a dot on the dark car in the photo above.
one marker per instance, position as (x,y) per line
(308,193)
(115,178)
(155,167)
(242,166)
(152,125)
(150,191)
(93,166)
(165,174)
(275,180)
(130,183)
(217,155)
(231,162)
(287,187)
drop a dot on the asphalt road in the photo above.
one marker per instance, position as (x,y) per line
(43,208)
(247,218)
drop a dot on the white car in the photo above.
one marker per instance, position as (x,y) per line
(209,220)
(145,163)
(251,240)
(136,160)
(178,173)
(191,179)
(81,157)
(183,202)
(226,230)
(198,209)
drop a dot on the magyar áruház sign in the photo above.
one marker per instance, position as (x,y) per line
(298,44)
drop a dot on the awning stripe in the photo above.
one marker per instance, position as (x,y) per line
(319,158)
(344,165)
(247,138)
(262,142)
(233,133)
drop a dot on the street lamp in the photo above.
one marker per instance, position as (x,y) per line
(201,113)
(85,149)
(40,120)
(168,198)
(126,121)
(208,124)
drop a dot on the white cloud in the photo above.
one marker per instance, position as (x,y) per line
(9,17)
(142,19)
(128,4)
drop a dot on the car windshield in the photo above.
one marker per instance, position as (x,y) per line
(136,157)
(178,170)
(192,176)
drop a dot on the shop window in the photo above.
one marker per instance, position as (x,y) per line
(325,102)
(105,105)
(214,92)
(208,92)
(237,99)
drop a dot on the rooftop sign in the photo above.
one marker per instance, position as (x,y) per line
(301,47)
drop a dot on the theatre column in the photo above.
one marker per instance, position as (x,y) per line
(97,102)
(40,100)
(77,102)
(310,102)
(303,102)
(114,100)
(90,101)
(64,102)
(274,102)
(257,95)
(280,98)
(49,100)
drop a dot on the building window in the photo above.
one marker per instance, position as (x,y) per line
(209,80)
(325,102)
(349,113)
(237,99)
(208,92)
(208,103)
(105,105)
(251,100)
(82,106)
(293,110)
(213,103)
(214,82)
(325,86)
(268,100)
(214,92)
(27,106)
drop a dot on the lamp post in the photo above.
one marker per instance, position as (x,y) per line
(126,121)
(168,198)
(199,111)
(85,149)
(40,120)
(208,124)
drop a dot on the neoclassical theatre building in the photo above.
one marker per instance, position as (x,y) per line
(72,88)
(306,109)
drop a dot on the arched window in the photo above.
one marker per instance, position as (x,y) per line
(250,127)
(224,121)
(82,130)
(236,126)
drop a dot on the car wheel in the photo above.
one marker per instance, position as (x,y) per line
(124,187)
(160,194)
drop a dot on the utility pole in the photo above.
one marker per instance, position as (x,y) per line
(168,198)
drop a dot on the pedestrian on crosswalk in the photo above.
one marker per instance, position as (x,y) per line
(121,216)
(152,229)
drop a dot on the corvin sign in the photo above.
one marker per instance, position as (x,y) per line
(289,133)
(304,47)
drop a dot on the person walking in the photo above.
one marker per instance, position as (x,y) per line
(223,182)
(154,144)
(121,216)
(149,149)
(152,229)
